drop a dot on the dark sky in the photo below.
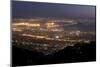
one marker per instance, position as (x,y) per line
(22,9)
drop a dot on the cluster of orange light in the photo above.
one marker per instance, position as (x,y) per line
(16,29)
(51,25)
(27,24)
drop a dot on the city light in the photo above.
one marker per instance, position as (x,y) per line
(48,34)
(26,24)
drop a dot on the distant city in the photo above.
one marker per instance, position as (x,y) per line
(50,33)
(41,34)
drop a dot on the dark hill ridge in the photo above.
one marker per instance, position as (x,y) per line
(79,53)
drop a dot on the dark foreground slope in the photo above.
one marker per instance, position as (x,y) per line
(79,53)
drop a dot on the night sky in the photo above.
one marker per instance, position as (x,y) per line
(22,9)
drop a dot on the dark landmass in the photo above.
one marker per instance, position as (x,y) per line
(81,52)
